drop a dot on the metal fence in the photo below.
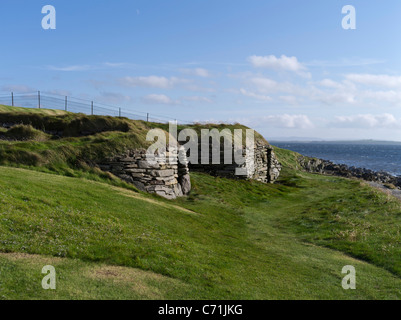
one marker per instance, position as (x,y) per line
(57,102)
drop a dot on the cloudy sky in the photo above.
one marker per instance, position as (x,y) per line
(286,68)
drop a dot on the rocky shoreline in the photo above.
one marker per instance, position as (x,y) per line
(321,166)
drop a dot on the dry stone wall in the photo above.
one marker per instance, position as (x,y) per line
(266,168)
(170,179)
(152,174)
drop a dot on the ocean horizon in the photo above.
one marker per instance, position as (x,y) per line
(377,156)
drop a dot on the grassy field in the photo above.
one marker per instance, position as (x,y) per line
(229,239)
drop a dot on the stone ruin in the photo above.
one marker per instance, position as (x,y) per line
(155,176)
(266,167)
(170,179)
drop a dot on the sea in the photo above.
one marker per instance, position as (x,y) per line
(375,156)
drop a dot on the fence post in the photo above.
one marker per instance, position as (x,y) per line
(12,99)
(39,99)
(92,109)
(119,112)
(147,117)
(65,103)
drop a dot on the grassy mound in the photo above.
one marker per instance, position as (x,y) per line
(24,133)
(69,125)
(210,126)
(67,142)
(8,109)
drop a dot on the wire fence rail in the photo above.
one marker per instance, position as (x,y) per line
(57,102)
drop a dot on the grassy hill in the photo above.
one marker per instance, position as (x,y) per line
(228,239)
(6,109)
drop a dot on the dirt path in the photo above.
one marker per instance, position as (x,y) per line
(395,192)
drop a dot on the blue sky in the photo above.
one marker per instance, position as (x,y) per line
(286,68)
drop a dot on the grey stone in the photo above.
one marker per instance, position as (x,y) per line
(171,182)
(185,183)
(135,170)
(139,185)
(137,175)
(126,178)
(162,173)
(178,190)
(143,164)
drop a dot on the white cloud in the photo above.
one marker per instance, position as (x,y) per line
(287,121)
(158,99)
(291,121)
(289,99)
(350,91)
(98,66)
(71,68)
(326,91)
(282,63)
(197,88)
(255,95)
(198,99)
(368,121)
(328,83)
(119,65)
(163,99)
(269,86)
(381,80)
(265,85)
(337,98)
(353,62)
(386,96)
(199,72)
(151,82)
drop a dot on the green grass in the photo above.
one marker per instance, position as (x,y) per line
(21,278)
(236,240)
(69,124)
(348,215)
(66,144)
(24,133)
(198,127)
(229,239)
(9,109)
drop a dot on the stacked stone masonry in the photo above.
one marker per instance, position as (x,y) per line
(170,179)
(266,167)
(152,174)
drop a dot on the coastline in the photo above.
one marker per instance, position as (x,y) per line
(376,156)
(375,178)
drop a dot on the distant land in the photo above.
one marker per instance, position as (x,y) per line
(293,139)
(319,141)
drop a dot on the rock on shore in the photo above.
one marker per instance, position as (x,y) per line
(327,167)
